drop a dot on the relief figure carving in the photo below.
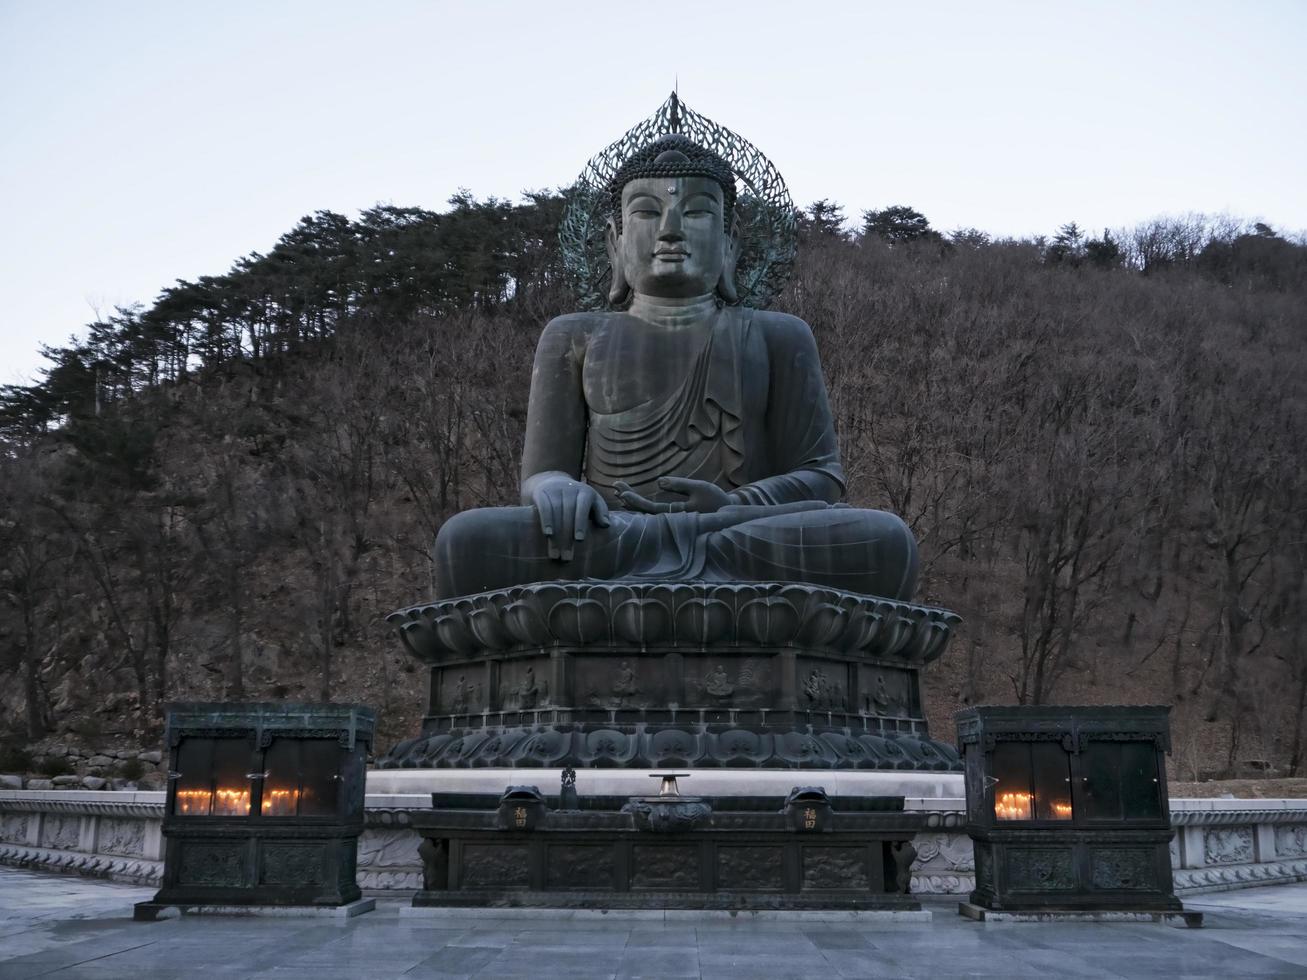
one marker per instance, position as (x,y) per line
(1228,845)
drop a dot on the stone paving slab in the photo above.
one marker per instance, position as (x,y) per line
(65,927)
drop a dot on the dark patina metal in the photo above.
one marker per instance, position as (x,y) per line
(1067,808)
(264,804)
(741,852)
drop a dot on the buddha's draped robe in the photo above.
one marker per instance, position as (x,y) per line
(749,414)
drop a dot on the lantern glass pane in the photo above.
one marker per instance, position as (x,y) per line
(1011,771)
(320,779)
(214,778)
(1052,776)
(281,785)
(1140,787)
(231,777)
(194,795)
(1101,767)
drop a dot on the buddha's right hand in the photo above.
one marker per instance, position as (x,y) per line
(565,508)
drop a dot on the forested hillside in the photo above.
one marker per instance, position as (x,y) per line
(1097,441)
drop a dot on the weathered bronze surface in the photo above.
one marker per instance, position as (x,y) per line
(278,823)
(680,438)
(675,674)
(809,851)
(681,585)
(1067,807)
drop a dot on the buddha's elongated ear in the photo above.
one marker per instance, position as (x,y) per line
(726,284)
(619,289)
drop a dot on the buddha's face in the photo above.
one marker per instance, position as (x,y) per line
(673,243)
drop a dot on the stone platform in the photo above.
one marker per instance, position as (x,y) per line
(58,926)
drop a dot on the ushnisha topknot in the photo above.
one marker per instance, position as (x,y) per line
(673,156)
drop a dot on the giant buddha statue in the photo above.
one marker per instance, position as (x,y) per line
(682,436)
(681,584)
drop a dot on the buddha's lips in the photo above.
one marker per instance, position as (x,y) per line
(671,253)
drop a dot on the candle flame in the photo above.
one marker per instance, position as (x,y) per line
(1012,806)
(280,802)
(218,803)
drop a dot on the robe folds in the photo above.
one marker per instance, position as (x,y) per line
(747,411)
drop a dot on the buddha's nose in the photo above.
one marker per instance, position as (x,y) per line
(670,226)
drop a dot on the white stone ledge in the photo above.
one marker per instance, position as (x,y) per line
(701,782)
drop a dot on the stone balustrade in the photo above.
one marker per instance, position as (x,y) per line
(1219,844)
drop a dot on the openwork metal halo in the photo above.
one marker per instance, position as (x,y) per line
(763,208)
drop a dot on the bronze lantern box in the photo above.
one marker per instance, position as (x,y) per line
(1067,808)
(264,804)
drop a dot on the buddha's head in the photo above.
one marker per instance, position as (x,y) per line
(672,231)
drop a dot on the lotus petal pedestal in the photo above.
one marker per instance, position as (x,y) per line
(674,674)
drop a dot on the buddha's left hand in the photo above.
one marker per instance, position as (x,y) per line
(701,497)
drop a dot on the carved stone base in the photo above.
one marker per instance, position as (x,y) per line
(136,871)
(1195,881)
(674,674)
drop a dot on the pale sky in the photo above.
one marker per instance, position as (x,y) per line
(143,142)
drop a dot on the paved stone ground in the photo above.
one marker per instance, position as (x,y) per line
(52,926)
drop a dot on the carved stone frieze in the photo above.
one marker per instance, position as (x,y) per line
(1210,818)
(1197,880)
(1291,841)
(943,884)
(389,849)
(943,853)
(13,827)
(699,615)
(62,832)
(109,807)
(397,880)
(121,836)
(133,870)
(1228,845)
(377,817)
